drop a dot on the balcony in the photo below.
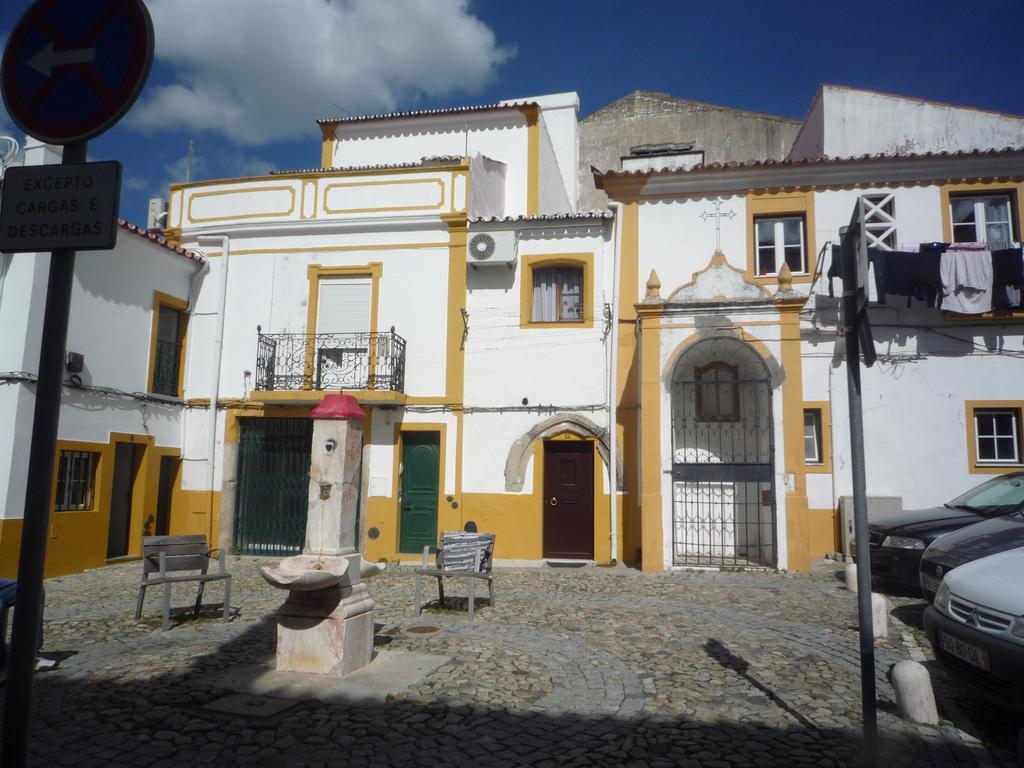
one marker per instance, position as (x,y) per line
(300,362)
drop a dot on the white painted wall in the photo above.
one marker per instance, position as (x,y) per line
(111,323)
(864,122)
(500,135)
(676,242)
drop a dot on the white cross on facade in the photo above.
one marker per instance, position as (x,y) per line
(718,215)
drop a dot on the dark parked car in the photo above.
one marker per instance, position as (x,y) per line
(898,541)
(968,544)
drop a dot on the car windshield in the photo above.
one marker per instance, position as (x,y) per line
(999,496)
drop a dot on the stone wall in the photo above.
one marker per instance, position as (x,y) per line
(648,117)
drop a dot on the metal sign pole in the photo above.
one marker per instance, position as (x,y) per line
(38,497)
(851,322)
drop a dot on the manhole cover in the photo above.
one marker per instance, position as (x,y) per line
(249,706)
(423,629)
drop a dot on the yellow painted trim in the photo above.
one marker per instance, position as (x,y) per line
(824,466)
(532,115)
(437,206)
(651,510)
(759,346)
(455,355)
(318,173)
(781,204)
(824,531)
(464,175)
(1014,189)
(725,326)
(329,134)
(171,302)
(797,524)
(543,261)
(310,191)
(975,467)
(332,249)
(220,193)
(315,273)
(448,519)
(303,397)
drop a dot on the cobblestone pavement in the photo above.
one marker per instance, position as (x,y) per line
(571,667)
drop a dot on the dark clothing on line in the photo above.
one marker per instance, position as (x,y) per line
(906,273)
(1007,277)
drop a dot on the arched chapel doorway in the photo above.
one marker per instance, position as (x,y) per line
(723,494)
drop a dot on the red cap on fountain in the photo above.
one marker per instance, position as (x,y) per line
(338,407)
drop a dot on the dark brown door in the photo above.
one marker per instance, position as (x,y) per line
(127,458)
(569,499)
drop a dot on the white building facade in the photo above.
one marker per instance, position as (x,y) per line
(121,417)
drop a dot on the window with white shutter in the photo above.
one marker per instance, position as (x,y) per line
(343,341)
(343,305)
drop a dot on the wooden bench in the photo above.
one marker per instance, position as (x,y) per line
(462,556)
(166,555)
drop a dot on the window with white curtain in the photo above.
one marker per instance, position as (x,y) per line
(557,295)
(982,219)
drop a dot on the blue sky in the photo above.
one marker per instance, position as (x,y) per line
(246,79)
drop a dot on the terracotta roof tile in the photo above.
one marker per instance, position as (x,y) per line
(495,107)
(161,241)
(822,161)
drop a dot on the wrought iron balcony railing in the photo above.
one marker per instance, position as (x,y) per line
(166,366)
(300,361)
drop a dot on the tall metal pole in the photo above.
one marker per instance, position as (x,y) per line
(38,497)
(851,323)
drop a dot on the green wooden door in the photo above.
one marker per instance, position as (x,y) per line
(421,462)
(273,485)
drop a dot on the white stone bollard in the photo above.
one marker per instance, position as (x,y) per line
(851,577)
(879,616)
(914,698)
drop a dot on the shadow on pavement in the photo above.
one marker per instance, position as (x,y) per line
(85,719)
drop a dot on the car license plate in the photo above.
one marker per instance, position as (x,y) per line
(969,653)
(930,582)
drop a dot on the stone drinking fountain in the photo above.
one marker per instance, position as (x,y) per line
(326,624)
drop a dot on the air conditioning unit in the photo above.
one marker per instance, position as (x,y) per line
(491,248)
(156,219)
(878,507)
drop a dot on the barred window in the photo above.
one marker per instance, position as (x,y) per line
(76,475)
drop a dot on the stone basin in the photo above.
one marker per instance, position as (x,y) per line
(306,573)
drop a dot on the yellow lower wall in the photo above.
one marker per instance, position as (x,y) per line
(822,531)
(516,519)
(78,539)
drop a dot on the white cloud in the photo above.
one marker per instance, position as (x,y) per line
(260,70)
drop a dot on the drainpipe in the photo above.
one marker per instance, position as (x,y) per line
(613,469)
(218,350)
(193,298)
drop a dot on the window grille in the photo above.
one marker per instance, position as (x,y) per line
(76,475)
(880,221)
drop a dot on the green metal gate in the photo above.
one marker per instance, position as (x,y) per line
(273,485)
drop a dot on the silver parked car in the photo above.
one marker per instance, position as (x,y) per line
(976,625)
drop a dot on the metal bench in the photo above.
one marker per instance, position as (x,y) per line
(166,555)
(461,556)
